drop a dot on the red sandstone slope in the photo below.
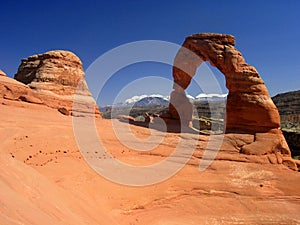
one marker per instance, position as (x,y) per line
(55,182)
(28,197)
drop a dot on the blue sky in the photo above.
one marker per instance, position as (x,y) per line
(267,33)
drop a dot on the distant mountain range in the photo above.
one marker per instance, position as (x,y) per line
(203,97)
(151,101)
(288,105)
(157,99)
(137,98)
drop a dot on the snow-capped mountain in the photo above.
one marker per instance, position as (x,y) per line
(190,97)
(204,95)
(136,99)
(210,97)
(157,99)
(151,101)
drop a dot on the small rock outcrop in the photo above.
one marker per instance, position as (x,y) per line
(10,89)
(2,73)
(64,111)
(56,76)
(249,109)
(125,118)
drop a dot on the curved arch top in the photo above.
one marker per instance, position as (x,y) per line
(249,106)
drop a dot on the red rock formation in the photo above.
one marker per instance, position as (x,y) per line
(2,73)
(249,108)
(11,89)
(56,76)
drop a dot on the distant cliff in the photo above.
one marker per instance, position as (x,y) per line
(288,105)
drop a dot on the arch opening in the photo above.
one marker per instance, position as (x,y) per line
(209,103)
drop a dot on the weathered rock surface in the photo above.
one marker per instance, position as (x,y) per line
(58,78)
(2,73)
(125,118)
(180,106)
(11,89)
(64,111)
(250,109)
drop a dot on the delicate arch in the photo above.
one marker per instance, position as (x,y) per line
(249,106)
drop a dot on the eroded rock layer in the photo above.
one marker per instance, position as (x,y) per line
(58,76)
(11,89)
(2,73)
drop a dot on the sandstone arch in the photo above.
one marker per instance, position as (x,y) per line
(249,106)
(250,110)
